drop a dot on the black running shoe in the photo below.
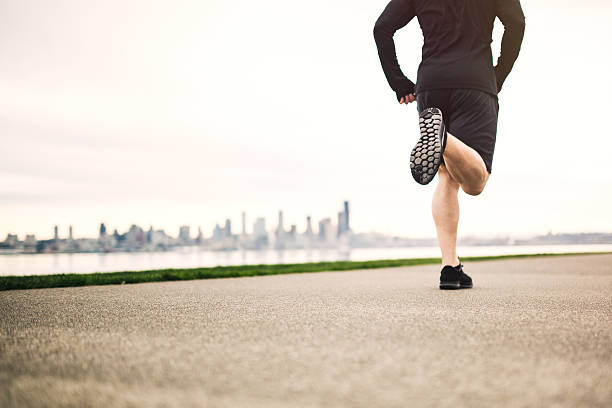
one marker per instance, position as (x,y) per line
(453,277)
(426,156)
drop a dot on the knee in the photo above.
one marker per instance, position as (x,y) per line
(473,190)
(476,188)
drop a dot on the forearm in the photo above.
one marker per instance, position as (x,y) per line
(511,45)
(396,15)
(514,22)
(401,85)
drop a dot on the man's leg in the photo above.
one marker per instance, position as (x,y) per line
(445,211)
(465,165)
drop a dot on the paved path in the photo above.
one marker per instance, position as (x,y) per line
(532,333)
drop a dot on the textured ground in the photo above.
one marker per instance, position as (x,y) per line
(533,332)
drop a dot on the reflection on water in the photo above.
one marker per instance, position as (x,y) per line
(190,257)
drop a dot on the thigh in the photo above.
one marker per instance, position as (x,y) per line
(473,120)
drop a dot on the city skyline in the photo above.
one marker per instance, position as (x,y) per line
(221,237)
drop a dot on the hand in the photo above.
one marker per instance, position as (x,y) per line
(407,99)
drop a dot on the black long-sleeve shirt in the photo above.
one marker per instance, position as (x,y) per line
(457,43)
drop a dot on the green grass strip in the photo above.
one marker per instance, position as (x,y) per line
(160,275)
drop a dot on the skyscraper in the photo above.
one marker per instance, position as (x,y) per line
(200,236)
(280,231)
(325,230)
(55,233)
(308,232)
(70,233)
(243,223)
(280,227)
(260,235)
(102,230)
(217,234)
(293,232)
(343,220)
(347,227)
(228,228)
(135,236)
(259,228)
(340,222)
(184,234)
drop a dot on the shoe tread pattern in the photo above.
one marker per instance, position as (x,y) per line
(426,156)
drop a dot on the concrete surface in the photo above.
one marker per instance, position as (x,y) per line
(532,333)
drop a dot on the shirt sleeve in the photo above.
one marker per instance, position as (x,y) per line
(511,15)
(396,15)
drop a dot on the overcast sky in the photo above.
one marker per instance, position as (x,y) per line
(188,112)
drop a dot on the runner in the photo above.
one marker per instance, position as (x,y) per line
(456,95)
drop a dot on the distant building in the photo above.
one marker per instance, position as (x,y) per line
(217,234)
(347,226)
(343,220)
(228,228)
(243,223)
(70,233)
(259,227)
(102,230)
(260,235)
(11,241)
(280,231)
(159,239)
(55,233)
(325,230)
(308,231)
(135,237)
(184,234)
(340,223)
(280,228)
(30,241)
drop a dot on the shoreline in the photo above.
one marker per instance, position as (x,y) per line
(234,271)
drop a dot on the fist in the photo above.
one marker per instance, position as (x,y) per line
(407,99)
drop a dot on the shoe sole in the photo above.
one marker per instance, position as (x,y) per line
(426,157)
(453,286)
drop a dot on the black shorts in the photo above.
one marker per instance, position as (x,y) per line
(469,114)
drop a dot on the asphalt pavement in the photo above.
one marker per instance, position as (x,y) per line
(533,332)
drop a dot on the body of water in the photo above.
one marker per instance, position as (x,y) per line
(191,257)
